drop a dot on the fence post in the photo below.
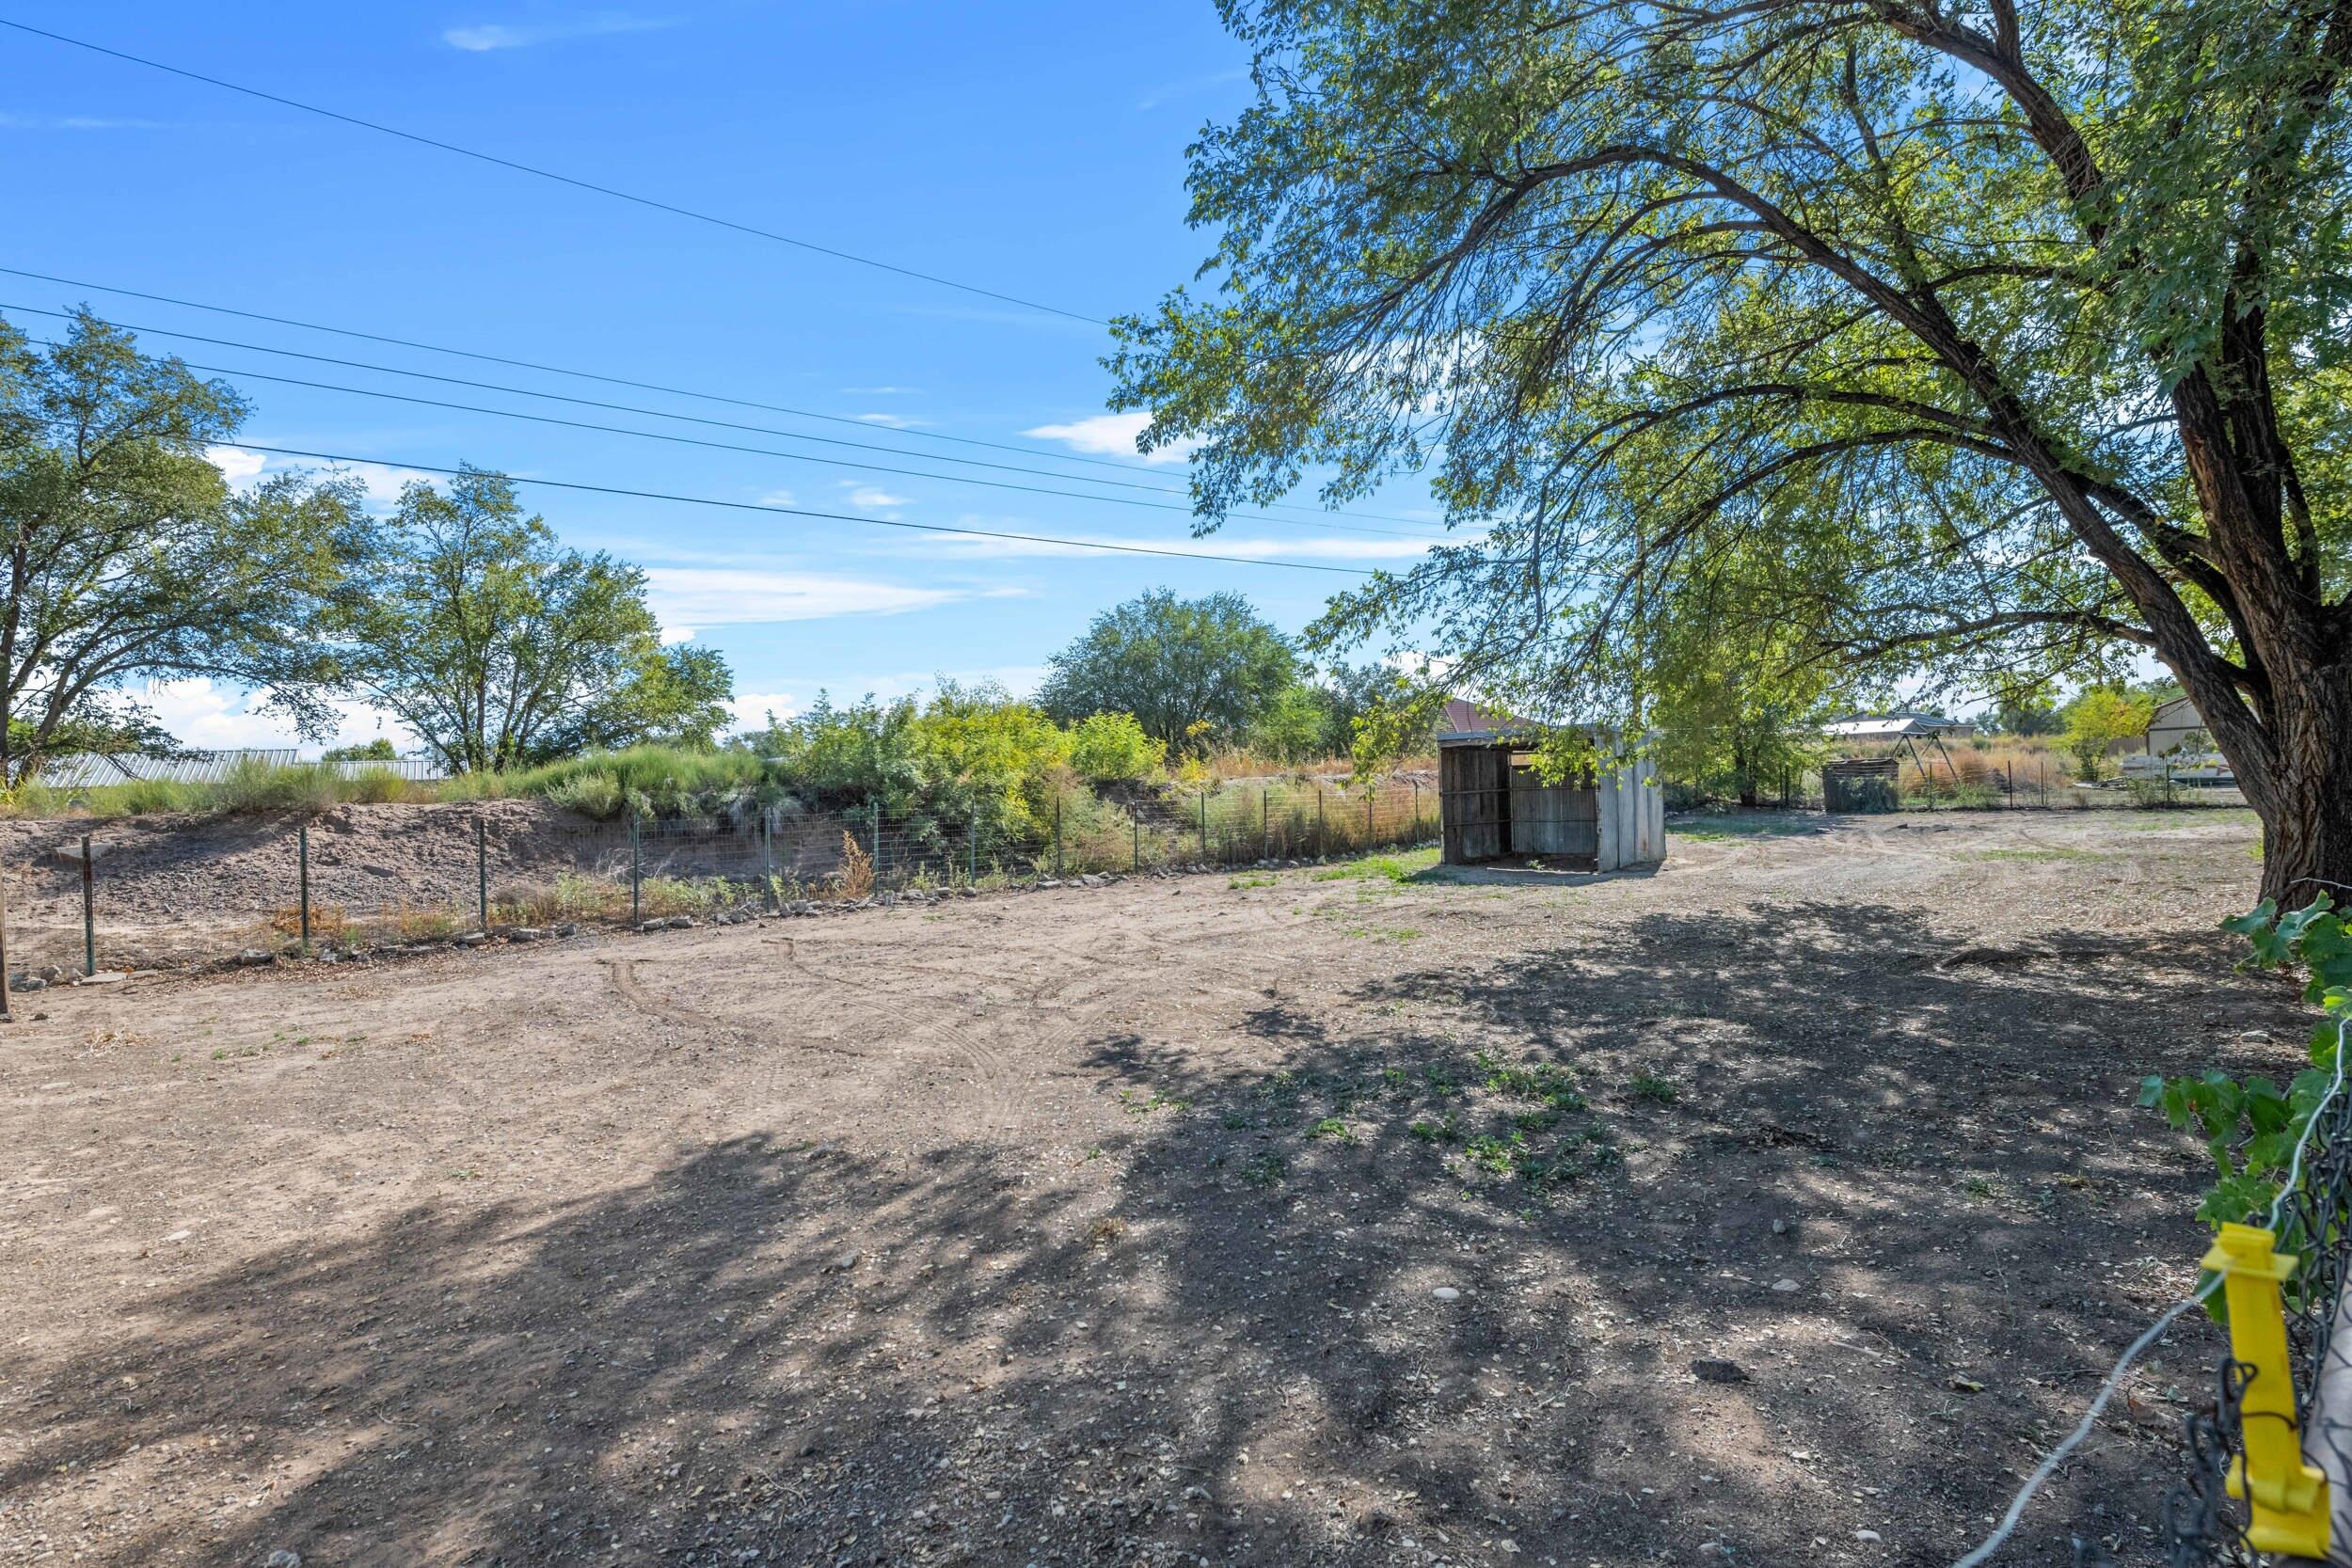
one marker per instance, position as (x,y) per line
(767,856)
(302,859)
(1416,783)
(1323,836)
(1265,822)
(1058,832)
(636,871)
(1204,827)
(5,1016)
(1371,799)
(878,845)
(482,874)
(975,833)
(89,913)
(1135,831)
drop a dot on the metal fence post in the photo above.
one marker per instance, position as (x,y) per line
(5,1016)
(1058,832)
(878,848)
(482,873)
(1135,831)
(975,833)
(1204,827)
(89,913)
(302,859)
(1266,823)
(1323,837)
(1371,823)
(636,872)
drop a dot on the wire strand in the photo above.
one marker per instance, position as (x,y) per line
(2057,1455)
(519,168)
(805,512)
(687,418)
(911,434)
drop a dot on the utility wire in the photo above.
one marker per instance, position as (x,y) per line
(687,418)
(618,194)
(805,512)
(685,441)
(608,380)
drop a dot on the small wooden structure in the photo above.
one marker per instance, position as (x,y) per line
(1859,784)
(1495,806)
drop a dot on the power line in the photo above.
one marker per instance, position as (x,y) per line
(688,418)
(678,440)
(804,512)
(608,380)
(618,194)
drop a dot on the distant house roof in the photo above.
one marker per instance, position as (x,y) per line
(2178,714)
(1895,726)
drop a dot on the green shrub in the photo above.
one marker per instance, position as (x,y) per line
(1109,748)
(254,786)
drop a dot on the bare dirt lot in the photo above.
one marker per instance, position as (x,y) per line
(1265,1219)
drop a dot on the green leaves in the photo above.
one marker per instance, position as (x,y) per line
(2253,1128)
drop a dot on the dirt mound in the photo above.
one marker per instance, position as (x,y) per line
(187,875)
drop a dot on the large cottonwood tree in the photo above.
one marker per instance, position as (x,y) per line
(2010,336)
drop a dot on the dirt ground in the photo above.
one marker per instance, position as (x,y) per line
(1262,1219)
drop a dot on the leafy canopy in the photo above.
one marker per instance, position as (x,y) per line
(127,555)
(1192,672)
(501,649)
(1996,340)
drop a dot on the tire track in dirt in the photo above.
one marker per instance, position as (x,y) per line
(622,973)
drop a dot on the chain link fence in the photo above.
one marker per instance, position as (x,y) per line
(109,897)
(2204,1524)
(2036,784)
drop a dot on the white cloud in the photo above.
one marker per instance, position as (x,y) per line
(878,392)
(778,497)
(521,35)
(751,709)
(702,596)
(380,483)
(205,713)
(891,422)
(1111,436)
(869,498)
(235,463)
(672,636)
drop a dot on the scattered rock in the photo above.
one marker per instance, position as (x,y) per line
(1780,1228)
(254,958)
(1868,1535)
(473,939)
(103,977)
(1784,1286)
(1966,1384)
(569,928)
(1708,1371)
(27,983)
(846,1262)
(525,933)
(283,1560)
(1446,1293)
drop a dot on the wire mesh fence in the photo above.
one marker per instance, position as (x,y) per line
(1968,782)
(107,897)
(2207,1516)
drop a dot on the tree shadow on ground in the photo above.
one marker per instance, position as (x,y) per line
(1908,1202)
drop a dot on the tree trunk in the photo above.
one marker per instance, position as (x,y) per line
(2304,798)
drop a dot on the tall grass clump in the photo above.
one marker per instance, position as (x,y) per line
(669,780)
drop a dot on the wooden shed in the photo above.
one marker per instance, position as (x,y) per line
(1494,807)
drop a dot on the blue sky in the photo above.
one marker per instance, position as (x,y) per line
(1034,149)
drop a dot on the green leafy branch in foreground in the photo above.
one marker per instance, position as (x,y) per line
(2252,1127)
